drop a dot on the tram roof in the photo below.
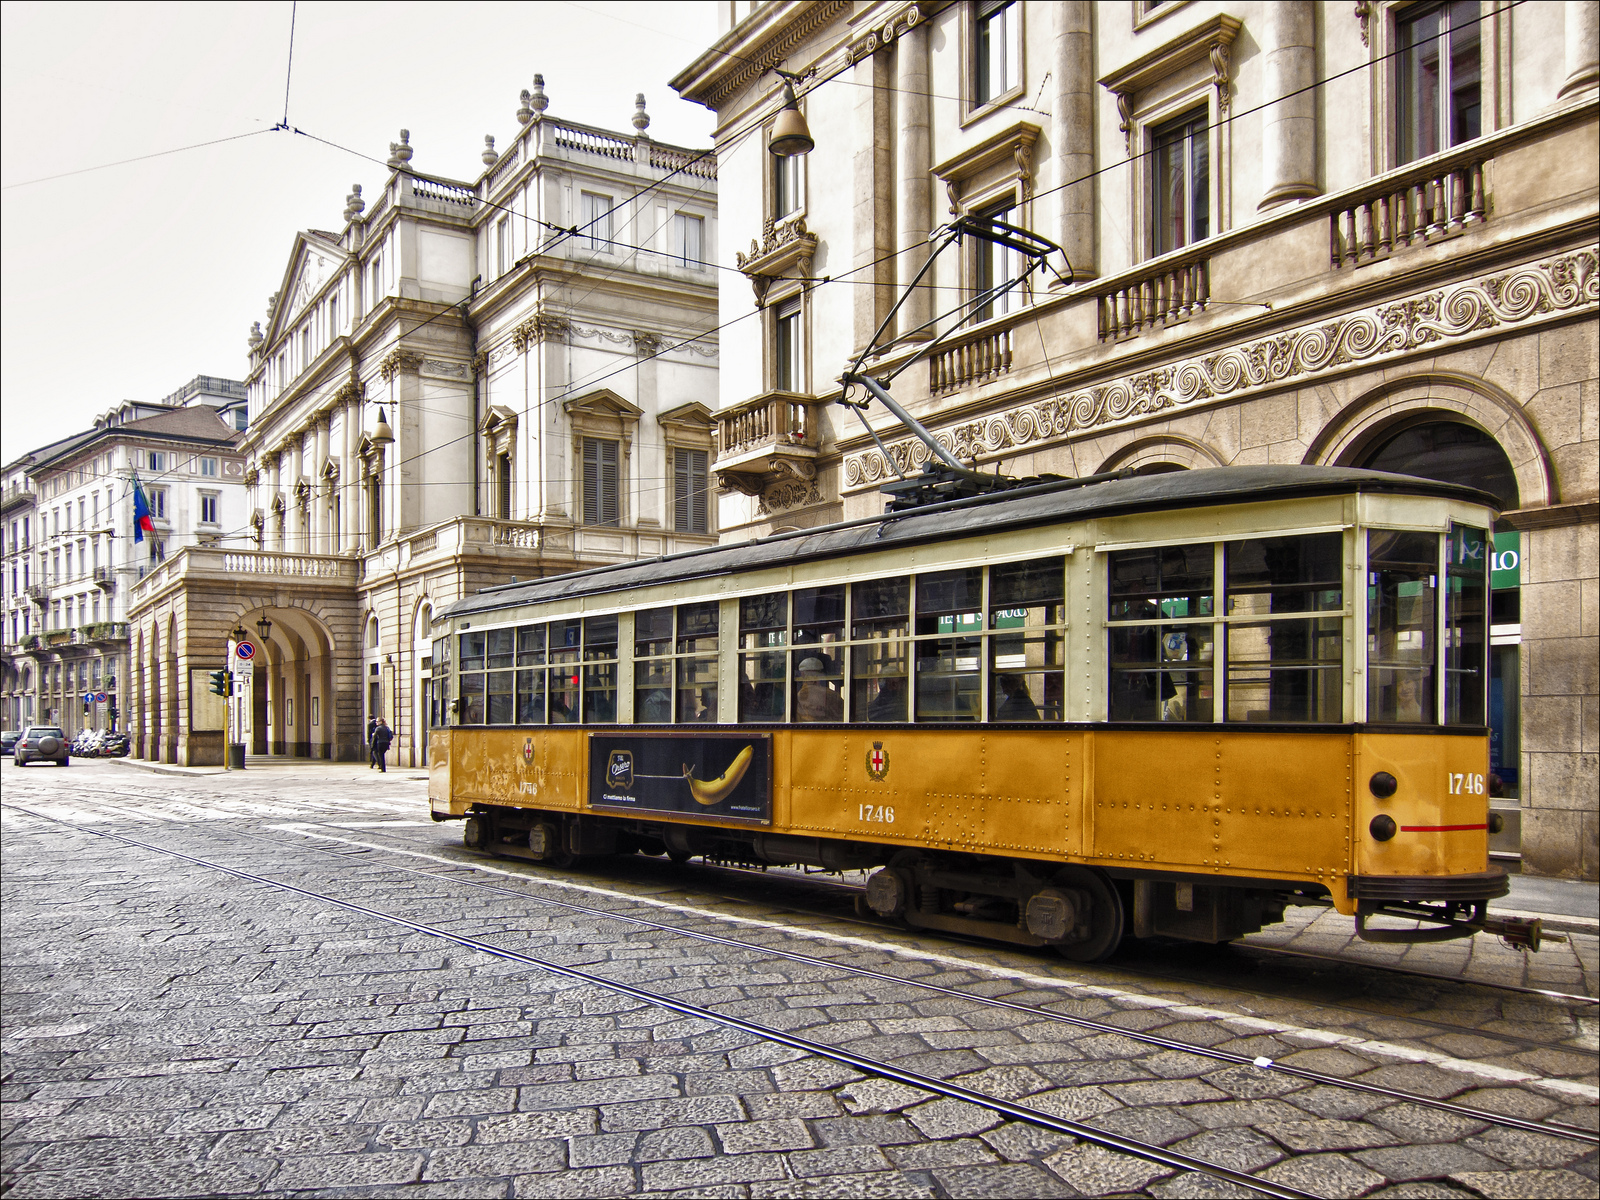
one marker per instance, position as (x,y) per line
(1041,504)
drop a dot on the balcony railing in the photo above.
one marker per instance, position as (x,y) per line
(773,419)
(970,360)
(1435,200)
(1167,292)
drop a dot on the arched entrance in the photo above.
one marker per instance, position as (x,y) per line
(293,713)
(422,684)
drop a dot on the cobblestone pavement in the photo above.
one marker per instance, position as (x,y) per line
(170,1030)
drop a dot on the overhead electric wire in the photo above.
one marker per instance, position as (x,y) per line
(288,70)
(122,162)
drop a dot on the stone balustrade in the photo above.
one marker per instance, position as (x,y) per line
(970,360)
(1168,290)
(1420,204)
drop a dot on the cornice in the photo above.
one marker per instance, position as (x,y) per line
(1433,321)
(747,51)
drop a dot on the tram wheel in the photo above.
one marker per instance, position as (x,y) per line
(679,857)
(1106,921)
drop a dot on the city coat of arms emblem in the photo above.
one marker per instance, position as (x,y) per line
(527,751)
(878,762)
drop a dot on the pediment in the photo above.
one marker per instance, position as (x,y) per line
(313,262)
(603,402)
(693,415)
(498,417)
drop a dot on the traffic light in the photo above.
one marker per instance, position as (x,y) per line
(221,683)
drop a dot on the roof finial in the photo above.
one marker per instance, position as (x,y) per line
(538,99)
(400,152)
(525,109)
(641,119)
(256,337)
(489,156)
(354,205)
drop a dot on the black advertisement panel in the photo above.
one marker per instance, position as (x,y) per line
(704,774)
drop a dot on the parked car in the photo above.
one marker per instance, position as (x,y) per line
(42,743)
(8,740)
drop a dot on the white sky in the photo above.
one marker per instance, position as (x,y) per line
(127,282)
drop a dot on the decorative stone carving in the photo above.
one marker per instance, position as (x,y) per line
(784,245)
(884,35)
(443,369)
(399,360)
(354,205)
(489,156)
(1007,157)
(648,344)
(400,152)
(1363,16)
(1434,319)
(791,35)
(348,391)
(1212,41)
(541,326)
(641,119)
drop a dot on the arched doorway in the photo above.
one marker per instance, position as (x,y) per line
(294,713)
(1450,449)
(422,718)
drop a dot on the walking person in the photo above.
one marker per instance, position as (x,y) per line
(382,735)
(372,727)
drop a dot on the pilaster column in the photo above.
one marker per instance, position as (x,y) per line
(1582,48)
(1289,127)
(274,491)
(914,197)
(872,206)
(1072,132)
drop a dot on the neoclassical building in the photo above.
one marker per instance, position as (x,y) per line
(466,383)
(1362,234)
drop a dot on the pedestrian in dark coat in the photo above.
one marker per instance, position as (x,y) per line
(372,759)
(382,735)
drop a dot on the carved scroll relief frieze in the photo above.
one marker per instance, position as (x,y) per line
(1434,320)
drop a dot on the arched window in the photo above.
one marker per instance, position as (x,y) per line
(1451,452)
(372,633)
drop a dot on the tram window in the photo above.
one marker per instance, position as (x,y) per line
(1285,670)
(530,696)
(1161,672)
(763,625)
(472,650)
(880,624)
(565,647)
(1465,625)
(600,670)
(652,670)
(1402,582)
(816,661)
(502,648)
(697,662)
(1026,642)
(500,691)
(1162,581)
(472,699)
(949,684)
(530,646)
(652,633)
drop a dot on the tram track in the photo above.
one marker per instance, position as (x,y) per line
(453,876)
(867,1065)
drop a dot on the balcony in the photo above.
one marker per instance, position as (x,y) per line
(39,593)
(100,631)
(768,440)
(105,579)
(214,565)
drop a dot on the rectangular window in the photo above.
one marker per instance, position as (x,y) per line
(787,370)
(503,253)
(601,485)
(997,50)
(156,460)
(599,670)
(785,186)
(949,665)
(687,234)
(596,226)
(502,478)
(689,491)
(566,651)
(1438,78)
(1161,642)
(377,285)
(1180,183)
(763,632)
(158,503)
(880,659)
(208,508)
(1284,602)
(531,675)
(816,661)
(1402,594)
(995,267)
(333,317)
(208,468)
(1466,625)
(1027,640)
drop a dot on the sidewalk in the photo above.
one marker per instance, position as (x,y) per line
(272,764)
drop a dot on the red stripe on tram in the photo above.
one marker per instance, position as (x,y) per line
(1438,828)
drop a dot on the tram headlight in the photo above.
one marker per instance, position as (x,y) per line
(1383,827)
(1383,785)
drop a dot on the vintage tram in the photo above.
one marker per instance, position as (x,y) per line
(1055,715)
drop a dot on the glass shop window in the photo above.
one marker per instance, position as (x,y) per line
(763,633)
(1162,660)
(950,645)
(816,657)
(1285,608)
(1402,591)
(1027,640)
(880,660)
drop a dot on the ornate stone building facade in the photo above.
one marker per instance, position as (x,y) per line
(1292,232)
(452,390)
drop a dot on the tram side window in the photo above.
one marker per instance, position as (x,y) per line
(1027,643)
(1161,640)
(652,667)
(530,674)
(880,625)
(763,631)
(600,670)
(697,662)
(1402,587)
(1285,636)
(441,677)
(501,678)
(1466,625)
(565,650)
(949,646)
(816,658)
(473,647)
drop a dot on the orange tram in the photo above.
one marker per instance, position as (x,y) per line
(1056,715)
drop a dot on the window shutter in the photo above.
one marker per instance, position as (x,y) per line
(680,491)
(610,510)
(697,491)
(591,481)
(600,490)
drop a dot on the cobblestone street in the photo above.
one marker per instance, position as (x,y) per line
(172,1029)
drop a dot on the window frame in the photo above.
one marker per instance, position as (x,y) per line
(1184,130)
(682,500)
(596,492)
(592,222)
(682,223)
(214,501)
(976,107)
(1400,153)
(787,372)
